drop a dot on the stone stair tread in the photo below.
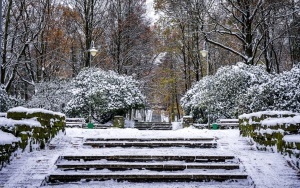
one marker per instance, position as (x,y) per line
(154,166)
(202,144)
(140,174)
(150,139)
(146,176)
(152,142)
(146,157)
(166,163)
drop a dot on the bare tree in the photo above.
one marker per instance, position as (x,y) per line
(93,18)
(129,38)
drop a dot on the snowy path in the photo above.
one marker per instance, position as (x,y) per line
(265,169)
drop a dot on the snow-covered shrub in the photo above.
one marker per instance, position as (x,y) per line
(220,94)
(280,93)
(103,93)
(195,102)
(51,95)
(7,102)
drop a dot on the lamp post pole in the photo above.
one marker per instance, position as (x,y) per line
(0,49)
(204,54)
(93,52)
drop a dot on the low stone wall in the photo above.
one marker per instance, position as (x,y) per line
(291,145)
(32,127)
(269,128)
(8,145)
(36,134)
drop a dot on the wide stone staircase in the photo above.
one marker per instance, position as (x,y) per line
(149,167)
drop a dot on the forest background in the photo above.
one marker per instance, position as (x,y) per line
(48,40)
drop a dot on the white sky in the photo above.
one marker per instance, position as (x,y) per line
(150,10)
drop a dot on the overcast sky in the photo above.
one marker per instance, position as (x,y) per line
(150,11)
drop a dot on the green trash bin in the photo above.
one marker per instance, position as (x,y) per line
(215,126)
(90,125)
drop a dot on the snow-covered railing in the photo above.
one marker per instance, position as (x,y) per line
(274,131)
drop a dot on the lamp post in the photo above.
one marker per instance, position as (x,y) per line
(93,52)
(42,75)
(204,54)
(0,48)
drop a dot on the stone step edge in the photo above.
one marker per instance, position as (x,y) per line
(149,139)
(158,166)
(150,177)
(134,158)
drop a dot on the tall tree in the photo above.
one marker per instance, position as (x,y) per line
(130,39)
(24,22)
(92,23)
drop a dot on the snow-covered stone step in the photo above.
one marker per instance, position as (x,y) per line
(148,166)
(149,139)
(144,177)
(151,144)
(153,126)
(145,158)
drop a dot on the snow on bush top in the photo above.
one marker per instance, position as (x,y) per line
(291,138)
(52,95)
(259,114)
(280,121)
(221,93)
(7,138)
(282,92)
(34,110)
(10,123)
(103,92)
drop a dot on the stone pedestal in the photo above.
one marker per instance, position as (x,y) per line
(119,122)
(187,121)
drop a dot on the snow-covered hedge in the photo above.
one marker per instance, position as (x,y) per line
(7,102)
(221,94)
(103,93)
(282,92)
(51,95)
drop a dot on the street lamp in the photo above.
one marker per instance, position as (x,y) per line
(204,54)
(93,52)
(42,74)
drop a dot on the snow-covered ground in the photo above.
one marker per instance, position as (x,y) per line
(265,169)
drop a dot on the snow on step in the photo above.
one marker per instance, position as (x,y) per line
(148,166)
(149,139)
(186,158)
(152,144)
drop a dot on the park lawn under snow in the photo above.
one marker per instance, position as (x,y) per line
(265,169)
